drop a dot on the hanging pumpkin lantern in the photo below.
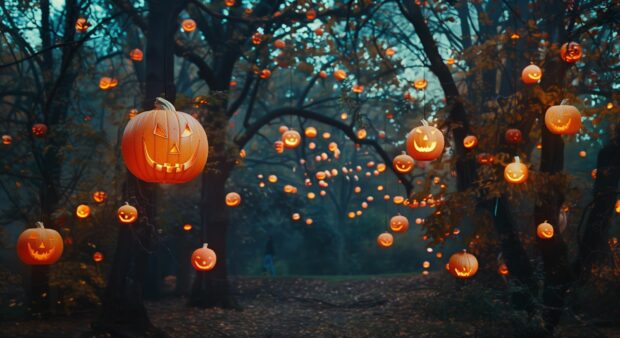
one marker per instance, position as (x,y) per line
(265,74)
(272,178)
(39,246)
(450,61)
(390,52)
(563,119)
(296,217)
(165,146)
(278,146)
(385,240)
(127,214)
(310,132)
(485,158)
(513,136)
(257,38)
(187,227)
(100,196)
(571,52)
(503,270)
(291,139)
(420,84)
(357,89)
(516,172)
(136,55)
(462,265)
(399,223)
(233,199)
(531,74)
(81,25)
(361,134)
(7,139)
(425,143)
(340,75)
(309,221)
(104,83)
(311,15)
(97,257)
(82,211)
(470,141)
(544,230)
(188,25)
(39,129)
(204,259)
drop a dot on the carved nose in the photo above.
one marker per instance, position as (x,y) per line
(425,138)
(174,150)
(41,246)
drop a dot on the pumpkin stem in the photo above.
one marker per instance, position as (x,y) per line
(39,225)
(424,123)
(205,245)
(564,102)
(517,159)
(164,104)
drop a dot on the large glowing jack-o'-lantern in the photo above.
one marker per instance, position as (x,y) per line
(462,265)
(127,214)
(516,172)
(233,199)
(165,146)
(399,223)
(545,230)
(385,240)
(531,74)
(563,119)
(291,139)
(204,259)
(39,246)
(425,143)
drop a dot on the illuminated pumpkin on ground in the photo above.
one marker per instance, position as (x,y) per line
(39,246)
(204,259)
(425,143)
(462,265)
(165,146)
(100,196)
(470,141)
(399,223)
(563,119)
(39,129)
(188,25)
(82,211)
(516,172)
(513,136)
(545,230)
(127,214)
(291,139)
(531,74)
(571,52)
(385,240)
(233,199)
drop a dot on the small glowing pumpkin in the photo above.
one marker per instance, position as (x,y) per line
(136,55)
(531,74)
(39,129)
(188,25)
(563,119)
(425,143)
(516,172)
(291,139)
(233,199)
(127,214)
(503,270)
(403,163)
(399,223)
(462,265)
(7,139)
(420,84)
(82,211)
(470,141)
(385,240)
(204,259)
(39,246)
(100,196)
(310,132)
(81,25)
(545,230)
(513,136)
(97,257)
(340,75)
(571,52)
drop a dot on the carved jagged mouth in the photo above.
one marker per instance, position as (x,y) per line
(426,149)
(562,127)
(39,256)
(462,273)
(170,167)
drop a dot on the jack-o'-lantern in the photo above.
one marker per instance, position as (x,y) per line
(513,136)
(340,75)
(7,139)
(450,61)
(309,221)
(571,52)
(296,217)
(81,25)
(230,3)
(278,146)
(357,89)
(381,167)
(399,223)
(420,84)
(320,175)
(39,129)
(188,25)
(105,83)
(398,199)
(82,211)
(291,139)
(204,259)
(425,143)
(187,227)
(462,265)
(470,141)
(503,270)
(272,178)
(97,257)
(390,52)
(531,74)
(311,14)
(165,146)
(136,55)
(516,172)
(385,240)
(361,134)
(100,196)
(265,74)
(233,199)
(310,132)
(617,207)
(39,246)
(582,153)
(485,158)
(127,214)
(544,230)
(563,119)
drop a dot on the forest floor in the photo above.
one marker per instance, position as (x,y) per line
(380,306)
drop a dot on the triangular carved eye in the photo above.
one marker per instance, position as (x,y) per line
(187,131)
(159,131)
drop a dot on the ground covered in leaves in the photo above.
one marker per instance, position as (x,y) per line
(395,306)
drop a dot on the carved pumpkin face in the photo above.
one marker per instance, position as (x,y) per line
(399,223)
(188,25)
(7,139)
(291,139)
(462,265)
(100,196)
(81,25)
(420,84)
(340,75)
(97,257)
(563,119)
(127,214)
(485,158)
(82,211)
(425,143)
(204,259)
(531,74)
(136,55)
(503,270)
(39,129)
(545,230)
(165,146)
(513,136)
(233,199)
(311,132)
(385,240)
(470,141)
(187,227)
(39,246)
(571,52)
(361,134)
(278,146)
(403,163)
(516,172)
